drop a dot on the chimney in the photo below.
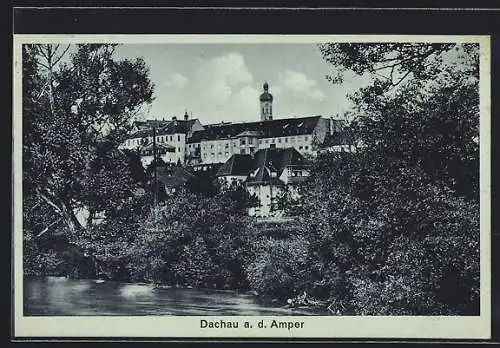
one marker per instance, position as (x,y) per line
(174,118)
(186,116)
(331,125)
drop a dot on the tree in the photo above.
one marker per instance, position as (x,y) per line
(192,239)
(389,64)
(75,114)
(395,225)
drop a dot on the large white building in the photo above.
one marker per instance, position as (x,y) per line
(171,136)
(188,141)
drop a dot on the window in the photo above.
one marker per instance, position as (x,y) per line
(286,140)
(300,147)
(279,140)
(260,141)
(178,138)
(242,141)
(179,149)
(212,146)
(306,138)
(189,145)
(307,147)
(212,154)
(242,151)
(292,139)
(170,138)
(272,146)
(227,153)
(227,146)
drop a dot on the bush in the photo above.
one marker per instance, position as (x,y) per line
(278,267)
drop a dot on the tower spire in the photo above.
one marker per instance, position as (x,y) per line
(266,104)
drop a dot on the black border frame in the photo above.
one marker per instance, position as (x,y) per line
(241,19)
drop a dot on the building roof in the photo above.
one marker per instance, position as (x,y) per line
(236,165)
(266,129)
(274,160)
(173,176)
(266,96)
(338,138)
(266,165)
(145,128)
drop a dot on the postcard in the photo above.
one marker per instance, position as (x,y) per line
(252,186)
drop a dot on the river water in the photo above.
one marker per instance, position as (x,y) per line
(59,296)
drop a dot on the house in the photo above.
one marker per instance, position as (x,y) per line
(166,152)
(267,175)
(236,168)
(170,138)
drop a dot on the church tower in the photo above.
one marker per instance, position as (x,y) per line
(266,104)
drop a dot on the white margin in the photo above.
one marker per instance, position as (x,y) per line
(412,327)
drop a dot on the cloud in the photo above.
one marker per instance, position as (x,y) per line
(177,80)
(248,96)
(301,86)
(221,76)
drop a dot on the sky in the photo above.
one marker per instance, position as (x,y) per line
(222,82)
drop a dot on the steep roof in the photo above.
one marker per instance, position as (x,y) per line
(274,160)
(264,162)
(237,165)
(338,138)
(173,177)
(162,127)
(266,129)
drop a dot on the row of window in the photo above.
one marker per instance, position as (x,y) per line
(160,152)
(243,141)
(160,139)
(205,155)
(285,139)
(267,110)
(243,151)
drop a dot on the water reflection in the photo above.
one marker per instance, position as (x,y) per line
(60,296)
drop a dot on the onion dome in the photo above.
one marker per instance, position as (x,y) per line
(266,96)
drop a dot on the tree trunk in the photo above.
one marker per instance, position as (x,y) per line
(70,218)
